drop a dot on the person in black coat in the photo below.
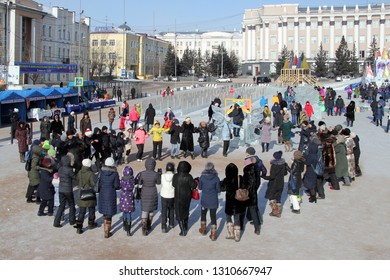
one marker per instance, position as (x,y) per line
(106,148)
(96,143)
(14,123)
(350,113)
(108,185)
(187,139)
(45,188)
(238,117)
(275,186)
(210,112)
(56,127)
(183,183)
(174,131)
(295,181)
(204,139)
(310,177)
(71,121)
(150,113)
(356,153)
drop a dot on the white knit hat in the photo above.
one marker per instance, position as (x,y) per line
(109,162)
(87,162)
(88,132)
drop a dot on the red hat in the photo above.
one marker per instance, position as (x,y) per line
(46,162)
(88,132)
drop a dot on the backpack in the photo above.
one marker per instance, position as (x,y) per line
(28,159)
(319,167)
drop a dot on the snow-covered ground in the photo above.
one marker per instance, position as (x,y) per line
(350,224)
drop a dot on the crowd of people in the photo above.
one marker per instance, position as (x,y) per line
(60,160)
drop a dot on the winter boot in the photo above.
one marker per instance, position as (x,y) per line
(272,203)
(21,156)
(192,155)
(92,224)
(262,147)
(230,231)
(237,233)
(128,229)
(278,210)
(213,233)
(79,227)
(107,228)
(149,223)
(144,227)
(183,231)
(164,228)
(347,181)
(186,225)
(266,147)
(202,228)
(124,225)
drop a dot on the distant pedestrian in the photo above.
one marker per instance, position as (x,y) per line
(111,117)
(119,93)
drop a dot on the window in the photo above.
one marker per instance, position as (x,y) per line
(387,22)
(313,25)
(112,55)
(290,25)
(63,34)
(387,38)
(59,53)
(362,24)
(95,43)
(290,40)
(63,53)
(314,40)
(112,42)
(44,30)
(326,40)
(75,36)
(375,23)
(103,42)
(68,35)
(362,39)
(337,39)
(49,31)
(301,40)
(49,54)
(44,51)
(273,26)
(59,34)
(337,24)
(325,24)
(273,55)
(273,40)
(302,25)
(350,24)
(104,55)
(349,39)
(361,54)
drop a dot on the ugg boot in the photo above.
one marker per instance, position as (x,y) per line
(107,228)
(266,147)
(272,203)
(92,224)
(124,225)
(128,228)
(202,228)
(230,231)
(237,233)
(144,227)
(279,209)
(213,233)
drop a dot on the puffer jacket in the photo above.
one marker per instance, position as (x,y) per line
(126,201)
(33,174)
(86,180)
(149,179)
(157,132)
(109,183)
(140,136)
(167,190)
(209,184)
(67,175)
(134,114)
(45,188)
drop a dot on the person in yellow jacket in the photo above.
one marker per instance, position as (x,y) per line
(157,132)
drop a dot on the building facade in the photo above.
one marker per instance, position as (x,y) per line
(266,30)
(65,41)
(205,42)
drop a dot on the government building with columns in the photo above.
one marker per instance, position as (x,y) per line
(266,30)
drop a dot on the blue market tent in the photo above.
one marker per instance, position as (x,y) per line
(34,98)
(353,86)
(69,95)
(53,97)
(9,100)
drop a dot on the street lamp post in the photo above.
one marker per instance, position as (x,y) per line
(79,56)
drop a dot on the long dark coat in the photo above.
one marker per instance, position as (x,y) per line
(45,129)
(21,135)
(209,184)
(204,138)
(183,183)
(237,115)
(296,170)
(56,127)
(67,175)
(310,177)
(187,138)
(174,131)
(249,182)
(230,183)
(45,188)
(86,180)
(71,121)
(84,124)
(109,183)
(150,113)
(341,160)
(329,154)
(276,179)
(149,179)
(350,112)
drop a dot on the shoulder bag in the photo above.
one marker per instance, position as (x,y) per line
(241,194)
(86,194)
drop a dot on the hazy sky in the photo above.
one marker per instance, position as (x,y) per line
(182,15)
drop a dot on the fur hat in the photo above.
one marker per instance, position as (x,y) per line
(104,127)
(251,151)
(46,162)
(346,132)
(88,132)
(87,162)
(209,166)
(278,155)
(338,127)
(175,121)
(109,162)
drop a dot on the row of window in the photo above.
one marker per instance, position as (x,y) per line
(326,40)
(61,53)
(62,34)
(208,43)
(326,24)
(274,54)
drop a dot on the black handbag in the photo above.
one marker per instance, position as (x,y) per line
(137,192)
(87,194)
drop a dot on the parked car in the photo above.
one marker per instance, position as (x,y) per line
(338,79)
(202,79)
(223,80)
(167,79)
(345,77)
(175,79)
(262,80)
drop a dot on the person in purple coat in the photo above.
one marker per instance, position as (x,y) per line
(126,201)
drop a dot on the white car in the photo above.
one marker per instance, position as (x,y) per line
(202,79)
(223,80)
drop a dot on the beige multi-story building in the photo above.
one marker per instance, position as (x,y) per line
(266,30)
(205,42)
(126,51)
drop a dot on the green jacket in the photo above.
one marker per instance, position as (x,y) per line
(86,180)
(33,174)
(286,130)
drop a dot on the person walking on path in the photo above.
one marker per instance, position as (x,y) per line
(126,201)
(339,105)
(71,122)
(134,117)
(56,128)
(226,135)
(108,184)
(149,197)
(119,93)
(183,183)
(350,113)
(209,184)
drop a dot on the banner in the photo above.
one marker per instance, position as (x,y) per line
(43,68)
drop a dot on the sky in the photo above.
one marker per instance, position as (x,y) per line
(155,16)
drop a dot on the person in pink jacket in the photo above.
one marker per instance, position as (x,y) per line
(134,117)
(140,136)
(309,109)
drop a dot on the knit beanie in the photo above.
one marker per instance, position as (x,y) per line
(278,155)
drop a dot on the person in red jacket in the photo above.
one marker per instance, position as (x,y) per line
(309,109)
(134,117)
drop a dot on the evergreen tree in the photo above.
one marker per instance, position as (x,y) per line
(353,63)
(372,53)
(187,61)
(169,62)
(284,54)
(206,64)
(234,64)
(342,60)
(216,62)
(320,62)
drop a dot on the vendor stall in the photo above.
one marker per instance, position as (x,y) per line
(70,96)
(35,102)
(9,100)
(54,98)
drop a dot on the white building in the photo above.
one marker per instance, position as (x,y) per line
(302,29)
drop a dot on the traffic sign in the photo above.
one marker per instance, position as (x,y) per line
(78,81)
(123,73)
